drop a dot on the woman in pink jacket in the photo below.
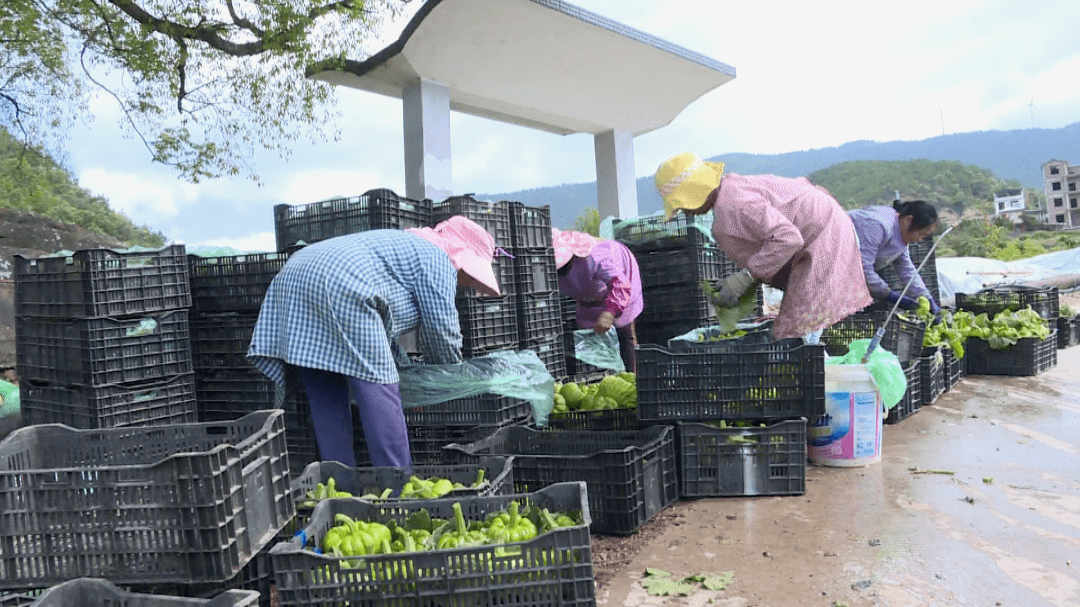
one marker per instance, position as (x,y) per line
(603,277)
(785,232)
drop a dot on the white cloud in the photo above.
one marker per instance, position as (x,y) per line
(809,75)
(141,197)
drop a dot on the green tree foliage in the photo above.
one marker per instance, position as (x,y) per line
(204,84)
(31,182)
(588,221)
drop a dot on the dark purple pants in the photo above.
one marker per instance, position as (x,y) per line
(381,416)
(627,344)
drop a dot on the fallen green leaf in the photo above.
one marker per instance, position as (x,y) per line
(659,583)
(988,480)
(718,581)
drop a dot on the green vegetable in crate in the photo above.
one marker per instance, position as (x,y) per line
(618,389)
(510,527)
(460,536)
(1065,311)
(945,332)
(322,492)
(572,394)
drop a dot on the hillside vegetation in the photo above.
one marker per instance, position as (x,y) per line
(30,182)
(1014,156)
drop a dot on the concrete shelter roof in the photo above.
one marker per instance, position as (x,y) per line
(543,64)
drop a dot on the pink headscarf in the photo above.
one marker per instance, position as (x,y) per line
(470,247)
(570,244)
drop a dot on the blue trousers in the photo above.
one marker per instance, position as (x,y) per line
(381,416)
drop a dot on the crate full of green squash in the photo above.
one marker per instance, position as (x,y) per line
(516,550)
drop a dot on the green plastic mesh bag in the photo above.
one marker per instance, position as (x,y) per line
(507,373)
(883,366)
(598,350)
(10,394)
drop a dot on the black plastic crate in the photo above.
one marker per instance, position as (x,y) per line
(492,216)
(98,351)
(373,210)
(659,332)
(539,316)
(255,577)
(929,274)
(472,411)
(530,226)
(95,283)
(684,302)
(1030,356)
(569,314)
(96,592)
(235,283)
(487,322)
(1068,330)
(165,402)
(653,233)
(550,570)
(689,264)
(903,337)
(551,353)
(1043,300)
(221,340)
(931,375)
(535,271)
(609,419)
(953,369)
(726,462)
(425,442)
(225,394)
(189,503)
(702,338)
(631,475)
(783,379)
(498,477)
(912,400)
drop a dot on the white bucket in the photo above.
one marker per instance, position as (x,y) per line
(849,434)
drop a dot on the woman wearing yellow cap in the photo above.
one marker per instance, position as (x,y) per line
(785,232)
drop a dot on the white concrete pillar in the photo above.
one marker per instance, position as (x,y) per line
(616,186)
(426,115)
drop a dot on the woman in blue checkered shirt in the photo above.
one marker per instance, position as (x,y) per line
(334,311)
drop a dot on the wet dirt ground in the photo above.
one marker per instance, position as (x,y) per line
(1002,529)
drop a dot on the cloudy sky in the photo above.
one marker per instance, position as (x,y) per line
(809,75)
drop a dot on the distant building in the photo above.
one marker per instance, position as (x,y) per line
(1062,193)
(1010,203)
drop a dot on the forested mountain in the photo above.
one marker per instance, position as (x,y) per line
(1009,156)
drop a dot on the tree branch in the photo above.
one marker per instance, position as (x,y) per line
(242,22)
(209,35)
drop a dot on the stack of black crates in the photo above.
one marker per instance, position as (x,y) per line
(740,409)
(102,338)
(536,286)
(674,257)
(227,293)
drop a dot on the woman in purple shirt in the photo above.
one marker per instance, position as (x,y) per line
(603,277)
(884,236)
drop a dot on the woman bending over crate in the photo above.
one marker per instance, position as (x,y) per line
(335,309)
(785,232)
(602,276)
(884,236)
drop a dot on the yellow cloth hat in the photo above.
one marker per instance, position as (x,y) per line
(685,181)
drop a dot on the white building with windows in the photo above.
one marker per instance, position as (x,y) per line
(1010,203)
(1062,193)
